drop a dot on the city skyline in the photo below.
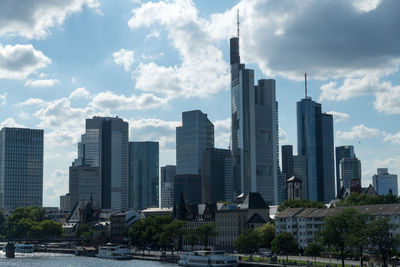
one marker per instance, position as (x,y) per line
(91,58)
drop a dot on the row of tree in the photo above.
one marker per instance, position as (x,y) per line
(28,223)
(157,232)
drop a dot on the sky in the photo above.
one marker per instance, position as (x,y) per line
(62,61)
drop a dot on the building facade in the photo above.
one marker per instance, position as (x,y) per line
(105,145)
(255,148)
(287,154)
(21,168)
(217,182)
(349,169)
(385,182)
(144,175)
(84,185)
(192,138)
(168,173)
(190,186)
(342,152)
(315,142)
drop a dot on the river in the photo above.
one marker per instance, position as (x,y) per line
(59,260)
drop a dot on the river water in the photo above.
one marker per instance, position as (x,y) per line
(60,260)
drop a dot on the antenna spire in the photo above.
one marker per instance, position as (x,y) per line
(238,23)
(305,82)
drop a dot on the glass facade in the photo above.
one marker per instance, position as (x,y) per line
(192,138)
(144,175)
(384,182)
(21,168)
(342,152)
(168,173)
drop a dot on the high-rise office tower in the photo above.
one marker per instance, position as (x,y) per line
(168,173)
(190,186)
(255,149)
(315,142)
(21,168)
(297,166)
(347,171)
(192,138)
(217,175)
(342,152)
(84,185)
(287,153)
(385,182)
(143,174)
(105,145)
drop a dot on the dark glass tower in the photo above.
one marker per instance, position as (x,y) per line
(143,174)
(315,142)
(342,152)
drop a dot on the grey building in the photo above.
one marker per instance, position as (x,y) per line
(105,145)
(190,186)
(84,185)
(217,175)
(255,137)
(168,173)
(385,182)
(21,168)
(298,168)
(144,175)
(192,138)
(287,153)
(342,152)
(315,142)
(65,201)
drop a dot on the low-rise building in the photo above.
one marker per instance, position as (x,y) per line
(304,223)
(119,221)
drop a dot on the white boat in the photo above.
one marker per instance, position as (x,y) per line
(207,258)
(115,252)
(22,248)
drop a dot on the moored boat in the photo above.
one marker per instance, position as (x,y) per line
(22,248)
(115,252)
(207,258)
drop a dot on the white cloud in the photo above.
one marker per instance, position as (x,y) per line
(3,99)
(222,133)
(33,19)
(202,71)
(109,100)
(124,57)
(360,131)
(393,138)
(42,83)
(339,116)
(19,61)
(388,98)
(156,34)
(10,122)
(283,137)
(80,92)
(32,102)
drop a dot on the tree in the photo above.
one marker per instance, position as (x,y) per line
(284,243)
(205,232)
(172,232)
(355,199)
(192,236)
(337,229)
(249,241)
(312,250)
(300,203)
(3,223)
(381,240)
(358,236)
(267,234)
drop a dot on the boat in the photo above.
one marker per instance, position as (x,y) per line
(22,248)
(115,252)
(207,258)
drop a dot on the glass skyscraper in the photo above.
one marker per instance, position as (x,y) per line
(143,175)
(342,152)
(168,173)
(105,145)
(385,182)
(192,138)
(21,168)
(315,142)
(255,149)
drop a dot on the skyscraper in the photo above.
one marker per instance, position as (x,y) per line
(385,182)
(342,152)
(192,138)
(21,168)
(217,175)
(106,146)
(143,174)
(168,173)
(347,171)
(84,185)
(287,153)
(315,142)
(255,135)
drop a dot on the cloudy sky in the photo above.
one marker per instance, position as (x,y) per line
(62,61)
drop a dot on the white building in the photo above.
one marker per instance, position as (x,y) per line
(304,223)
